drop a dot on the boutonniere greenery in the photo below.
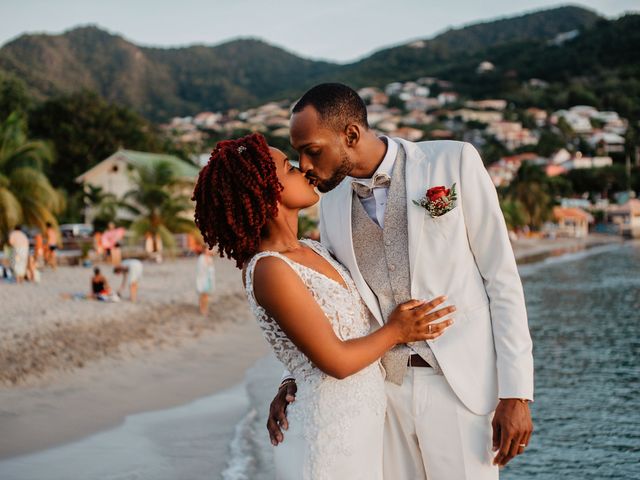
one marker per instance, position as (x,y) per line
(438,200)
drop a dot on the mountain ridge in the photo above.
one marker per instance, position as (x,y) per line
(160,82)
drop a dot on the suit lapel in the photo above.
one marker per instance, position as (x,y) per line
(417,173)
(340,235)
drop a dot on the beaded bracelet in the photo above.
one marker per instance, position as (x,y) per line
(286,382)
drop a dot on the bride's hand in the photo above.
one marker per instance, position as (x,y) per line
(416,320)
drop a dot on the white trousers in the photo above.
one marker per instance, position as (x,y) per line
(430,434)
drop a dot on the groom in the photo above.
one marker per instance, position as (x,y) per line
(419,220)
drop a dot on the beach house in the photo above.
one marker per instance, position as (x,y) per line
(572,222)
(626,217)
(114,174)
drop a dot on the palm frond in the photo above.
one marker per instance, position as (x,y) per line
(10,211)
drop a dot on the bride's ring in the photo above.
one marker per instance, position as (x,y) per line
(523,445)
(429,328)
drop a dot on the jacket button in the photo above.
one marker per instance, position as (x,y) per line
(387,243)
(392,267)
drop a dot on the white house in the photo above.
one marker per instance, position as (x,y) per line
(114,173)
(489,104)
(626,217)
(468,115)
(611,142)
(484,67)
(580,162)
(578,120)
(572,221)
(447,97)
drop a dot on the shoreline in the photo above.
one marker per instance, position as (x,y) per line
(76,404)
(531,250)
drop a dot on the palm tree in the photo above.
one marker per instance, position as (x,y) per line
(514,213)
(104,206)
(26,195)
(530,189)
(159,203)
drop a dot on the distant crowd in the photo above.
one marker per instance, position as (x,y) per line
(23,261)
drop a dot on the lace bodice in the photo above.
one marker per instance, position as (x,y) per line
(342,307)
(326,407)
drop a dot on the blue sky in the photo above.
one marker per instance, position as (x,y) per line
(338,30)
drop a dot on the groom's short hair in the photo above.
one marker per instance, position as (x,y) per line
(337,105)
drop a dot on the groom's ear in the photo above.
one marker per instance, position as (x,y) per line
(352,133)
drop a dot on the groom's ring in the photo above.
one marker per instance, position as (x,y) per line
(429,328)
(523,445)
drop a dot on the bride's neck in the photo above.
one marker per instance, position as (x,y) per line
(281,233)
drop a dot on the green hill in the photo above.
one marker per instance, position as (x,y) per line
(454,46)
(162,82)
(155,82)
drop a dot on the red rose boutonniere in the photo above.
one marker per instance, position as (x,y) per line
(438,200)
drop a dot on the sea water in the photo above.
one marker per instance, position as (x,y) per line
(584,316)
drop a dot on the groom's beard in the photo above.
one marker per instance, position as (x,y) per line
(344,169)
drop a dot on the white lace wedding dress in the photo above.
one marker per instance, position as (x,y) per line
(335,426)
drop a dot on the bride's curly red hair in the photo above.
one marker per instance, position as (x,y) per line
(236,194)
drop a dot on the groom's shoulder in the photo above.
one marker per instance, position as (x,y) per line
(440,148)
(445,152)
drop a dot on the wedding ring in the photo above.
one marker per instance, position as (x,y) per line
(523,445)
(429,328)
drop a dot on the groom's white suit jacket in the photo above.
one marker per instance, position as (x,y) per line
(466,255)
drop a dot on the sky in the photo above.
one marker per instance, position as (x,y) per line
(336,30)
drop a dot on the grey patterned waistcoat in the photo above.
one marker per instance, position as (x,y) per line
(383,260)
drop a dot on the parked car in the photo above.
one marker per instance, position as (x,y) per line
(76,230)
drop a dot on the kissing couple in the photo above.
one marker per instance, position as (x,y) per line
(404,332)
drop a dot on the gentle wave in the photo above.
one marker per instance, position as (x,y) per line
(250,452)
(242,458)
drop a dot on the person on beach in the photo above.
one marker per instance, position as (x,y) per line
(153,246)
(415,220)
(116,254)
(205,279)
(52,245)
(98,248)
(131,271)
(19,258)
(100,289)
(248,198)
(111,243)
(33,274)
(38,248)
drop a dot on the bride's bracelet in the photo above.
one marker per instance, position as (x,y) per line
(286,382)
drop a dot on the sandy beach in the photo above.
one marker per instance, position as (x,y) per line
(70,369)
(73,367)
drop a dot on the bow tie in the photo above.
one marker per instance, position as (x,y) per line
(380,180)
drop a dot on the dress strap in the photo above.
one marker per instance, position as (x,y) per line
(248,279)
(315,246)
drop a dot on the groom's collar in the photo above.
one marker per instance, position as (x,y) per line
(386,166)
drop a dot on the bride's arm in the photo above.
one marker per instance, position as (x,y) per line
(281,292)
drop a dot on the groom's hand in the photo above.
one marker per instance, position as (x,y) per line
(277,412)
(512,428)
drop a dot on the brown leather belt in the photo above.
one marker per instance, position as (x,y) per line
(416,360)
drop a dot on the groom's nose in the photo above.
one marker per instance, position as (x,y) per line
(305,164)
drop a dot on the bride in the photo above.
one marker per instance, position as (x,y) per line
(247,201)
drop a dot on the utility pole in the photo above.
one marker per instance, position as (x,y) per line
(628,171)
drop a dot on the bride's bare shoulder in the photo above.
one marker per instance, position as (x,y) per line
(277,287)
